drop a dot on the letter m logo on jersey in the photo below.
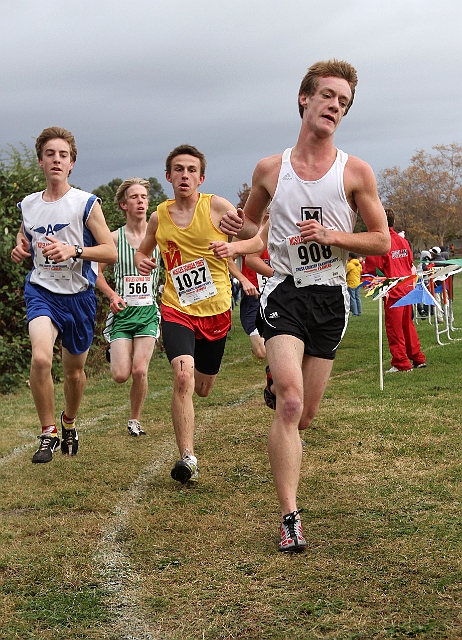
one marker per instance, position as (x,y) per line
(311,213)
(172,256)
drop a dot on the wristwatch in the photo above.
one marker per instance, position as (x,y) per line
(78,251)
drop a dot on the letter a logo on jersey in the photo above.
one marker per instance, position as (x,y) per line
(172,255)
(311,213)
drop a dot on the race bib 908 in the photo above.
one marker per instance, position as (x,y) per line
(313,263)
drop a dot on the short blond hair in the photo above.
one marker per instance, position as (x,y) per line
(121,193)
(326,69)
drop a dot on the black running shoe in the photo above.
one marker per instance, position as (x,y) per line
(292,540)
(69,439)
(134,429)
(268,395)
(185,470)
(49,443)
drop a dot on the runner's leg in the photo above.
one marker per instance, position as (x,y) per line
(285,356)
(43,334)
(182,403)
(74,380)
(316,373)
(143,348)
(121,359)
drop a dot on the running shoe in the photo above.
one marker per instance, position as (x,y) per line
(185,470)
(134,429)
(69,439)
(396,370)
(49,442)
(421,365)
(292,540)
(270,398)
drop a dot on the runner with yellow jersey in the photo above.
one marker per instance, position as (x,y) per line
(195,305)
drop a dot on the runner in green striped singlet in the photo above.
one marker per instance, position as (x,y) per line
(132,326)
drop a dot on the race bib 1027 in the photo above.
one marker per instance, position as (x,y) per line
(193,282)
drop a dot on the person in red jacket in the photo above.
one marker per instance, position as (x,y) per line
(403,340)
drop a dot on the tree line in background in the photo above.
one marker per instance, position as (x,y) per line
(427,198)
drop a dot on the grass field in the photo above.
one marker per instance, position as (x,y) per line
(107,546)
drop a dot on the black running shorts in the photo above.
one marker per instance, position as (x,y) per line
(179,340)
(317,314)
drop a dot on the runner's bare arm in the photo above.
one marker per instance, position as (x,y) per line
(116,303)
(144,263)
(236,247)
(254,261)
(21,251)
(248,288)
(361,189)
(264,181)
(104,251)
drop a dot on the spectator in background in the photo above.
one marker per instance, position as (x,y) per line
(353,278)
(436,254)
(401,333)
(444,253)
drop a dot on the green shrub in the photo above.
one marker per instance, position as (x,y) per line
(19,176)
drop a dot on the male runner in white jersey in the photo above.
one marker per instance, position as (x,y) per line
(312,192)
(132,326)
(196,301)
(65,232)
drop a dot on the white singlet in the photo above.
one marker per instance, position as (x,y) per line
(295,200)
(64,219)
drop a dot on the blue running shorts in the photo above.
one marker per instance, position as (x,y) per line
(73,314)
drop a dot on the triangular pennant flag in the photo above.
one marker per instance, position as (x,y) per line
(419,294)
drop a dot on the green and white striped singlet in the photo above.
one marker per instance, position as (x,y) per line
(125,265)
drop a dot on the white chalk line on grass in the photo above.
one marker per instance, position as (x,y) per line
(113,564)
(120,580)
(18,451)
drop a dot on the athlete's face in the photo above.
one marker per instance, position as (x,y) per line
(186,175)
(325,109)
(137,201)
(56,160)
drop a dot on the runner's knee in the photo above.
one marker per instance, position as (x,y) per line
(289,405)
(41,360)
(120,376)
(139,372)
(184,379)
(203,388)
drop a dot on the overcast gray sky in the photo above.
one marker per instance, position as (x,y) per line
(132,80)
